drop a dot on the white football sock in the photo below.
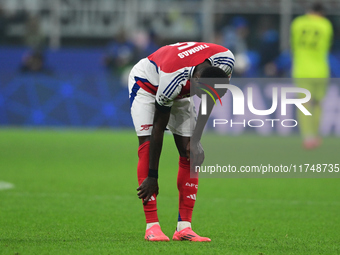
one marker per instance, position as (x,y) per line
(149,225)
(183,224)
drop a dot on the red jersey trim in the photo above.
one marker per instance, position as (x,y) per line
(146,85)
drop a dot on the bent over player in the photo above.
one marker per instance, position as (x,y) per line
(159,91)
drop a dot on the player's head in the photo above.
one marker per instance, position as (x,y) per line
(200,68)
(213,72)
(211,75)
(317,8)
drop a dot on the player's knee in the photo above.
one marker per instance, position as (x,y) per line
(143,139)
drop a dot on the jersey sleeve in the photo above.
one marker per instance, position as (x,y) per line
(225,61)
(170,86)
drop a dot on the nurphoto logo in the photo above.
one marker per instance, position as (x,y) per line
(239,99)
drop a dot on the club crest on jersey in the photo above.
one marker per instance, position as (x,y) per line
(145,127)
(189,52)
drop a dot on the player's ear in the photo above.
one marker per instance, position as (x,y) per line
(194,81)
(196,75)
(196,91)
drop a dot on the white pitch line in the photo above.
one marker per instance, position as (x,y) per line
(6,185)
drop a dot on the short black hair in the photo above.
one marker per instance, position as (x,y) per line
(213,72)
(317,7)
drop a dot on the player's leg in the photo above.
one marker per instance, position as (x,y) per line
(142,111)
(306,121)
(181,126)
(320,92)
(153,231)
(187,185)
(150,209)
(309,125)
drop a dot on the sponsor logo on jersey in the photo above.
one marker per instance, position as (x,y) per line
(193,196)
(152,198)
(145,127)
(189,52)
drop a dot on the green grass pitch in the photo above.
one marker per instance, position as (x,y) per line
(75,193)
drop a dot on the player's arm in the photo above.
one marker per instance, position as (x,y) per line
(331,34)
(150,184)
(203,119)
(163,105)
(161,119)
(194,149)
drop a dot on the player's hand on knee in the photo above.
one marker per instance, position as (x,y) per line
(196,154)
(148,187)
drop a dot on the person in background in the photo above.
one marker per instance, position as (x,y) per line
(268,48)
(119,54)
(34,62)
(311,37)
(234,37)
(34,38)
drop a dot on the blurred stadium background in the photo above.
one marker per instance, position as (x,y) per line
(64,62)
